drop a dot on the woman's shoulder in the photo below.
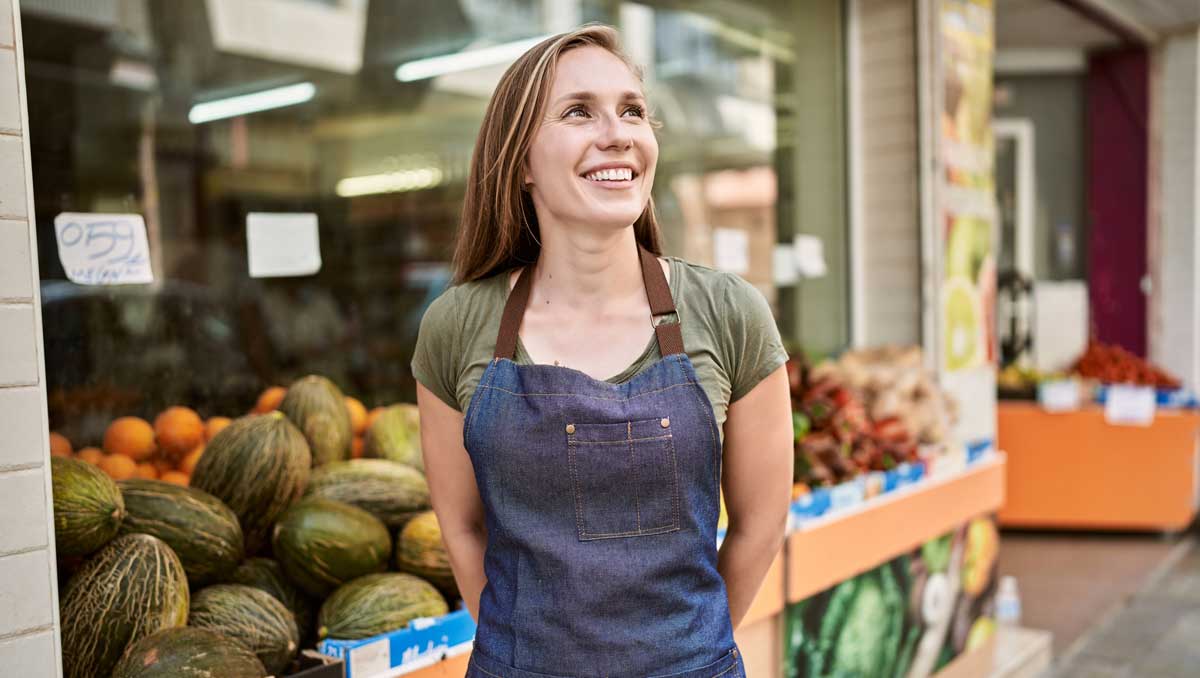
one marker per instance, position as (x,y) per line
(703,287)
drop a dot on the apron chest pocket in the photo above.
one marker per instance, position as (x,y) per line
(626,478)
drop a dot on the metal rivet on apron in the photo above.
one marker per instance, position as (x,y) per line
(570,429)
(665,422)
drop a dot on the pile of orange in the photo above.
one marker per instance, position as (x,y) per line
(166,450)
(170,448)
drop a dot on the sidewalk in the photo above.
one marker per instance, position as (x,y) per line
(1156,634)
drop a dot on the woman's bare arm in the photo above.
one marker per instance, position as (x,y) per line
(757,480)
(455,495)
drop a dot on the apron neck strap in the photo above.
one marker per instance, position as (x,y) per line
(670,338)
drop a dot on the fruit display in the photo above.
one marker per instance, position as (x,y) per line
(389,490)
(1111,364)
(188,651)
(836,439)
(202,531)
(318,408)
(252,618)
(374,603)
(132,588)
(893,383)
(159,528)
(322,544)
(258,466)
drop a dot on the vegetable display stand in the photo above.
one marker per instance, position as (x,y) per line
(1074,470)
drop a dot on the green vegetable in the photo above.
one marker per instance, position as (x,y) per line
(936,553)
(800,425)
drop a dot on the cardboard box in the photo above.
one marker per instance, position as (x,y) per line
(423,643)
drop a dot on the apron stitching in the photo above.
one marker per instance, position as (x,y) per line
(621,442)
(584,395)
(575,487)
(675,469)
(637,499)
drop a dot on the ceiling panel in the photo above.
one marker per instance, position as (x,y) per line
(1042,24)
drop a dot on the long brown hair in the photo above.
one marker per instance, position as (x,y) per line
(499,227)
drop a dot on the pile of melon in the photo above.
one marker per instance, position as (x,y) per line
(222,547)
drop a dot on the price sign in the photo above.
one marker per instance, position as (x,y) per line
(103,249)
(371,659)
(1061,395)
(282,245)
(1130,405)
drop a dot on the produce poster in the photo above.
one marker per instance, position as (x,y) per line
(907,618)
(967,211)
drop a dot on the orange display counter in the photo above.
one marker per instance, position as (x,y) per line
(1075,471)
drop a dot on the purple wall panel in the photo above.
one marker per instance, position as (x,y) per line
(1118,119)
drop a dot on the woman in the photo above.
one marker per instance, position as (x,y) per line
(580,511)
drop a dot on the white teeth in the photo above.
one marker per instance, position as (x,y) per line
(622,174)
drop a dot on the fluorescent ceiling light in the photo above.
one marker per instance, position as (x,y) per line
(254,102)
(391,182)
(464,61)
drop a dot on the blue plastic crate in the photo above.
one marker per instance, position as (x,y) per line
(423,643)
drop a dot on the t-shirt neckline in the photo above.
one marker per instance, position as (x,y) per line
(521,357)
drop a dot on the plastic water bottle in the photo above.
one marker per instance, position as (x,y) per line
(1008,602)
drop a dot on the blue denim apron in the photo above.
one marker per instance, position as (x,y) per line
(601,505)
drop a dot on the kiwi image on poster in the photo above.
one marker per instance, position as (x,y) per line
(906,618)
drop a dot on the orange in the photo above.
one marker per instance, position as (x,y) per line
(91,455)
(176,477)
(358,415)
(373,415)
(119,466)
(269,400)
(189,462)
(162,465)
(146,470)
(59,445)
(356,448)
(215,425)
(179,430)
(130,436)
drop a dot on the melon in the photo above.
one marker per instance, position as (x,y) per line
(396,435)
(421,551)
(251,617)
(88,507)
(190,652)
(322,544)
(257,466)
(318,408)
(202,531)
(378,603)
(267,575)
(388,490)
(132,588)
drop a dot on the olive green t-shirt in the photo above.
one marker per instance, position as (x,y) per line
(728,332)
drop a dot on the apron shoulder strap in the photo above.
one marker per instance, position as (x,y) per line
(658,292)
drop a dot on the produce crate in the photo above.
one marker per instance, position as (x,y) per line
(424,643)
(824,501)
(326,667)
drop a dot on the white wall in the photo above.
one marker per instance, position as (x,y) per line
(1175,303)
(29,639)
(885,203)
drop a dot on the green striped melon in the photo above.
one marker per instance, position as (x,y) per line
(322,544)
(257,466)
(318,408)
(88,508)
(421,551)
(132,588)
(251,617)
(266,574)
(202,531)
(378,603)
(188,652)
(396,435)
(388,490)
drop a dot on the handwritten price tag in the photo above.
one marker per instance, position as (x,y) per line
(1130,406)
(103,249)
(1059,396)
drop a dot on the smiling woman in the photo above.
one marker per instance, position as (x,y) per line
(579,512)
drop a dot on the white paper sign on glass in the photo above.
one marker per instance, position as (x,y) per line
(103,249)
(1130,405)
(731,250)
(809,251)
(281,245)
(1059,395)
(783,266)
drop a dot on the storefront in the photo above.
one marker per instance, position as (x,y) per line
(282,179)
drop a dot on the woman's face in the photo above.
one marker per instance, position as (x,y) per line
(592,160)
